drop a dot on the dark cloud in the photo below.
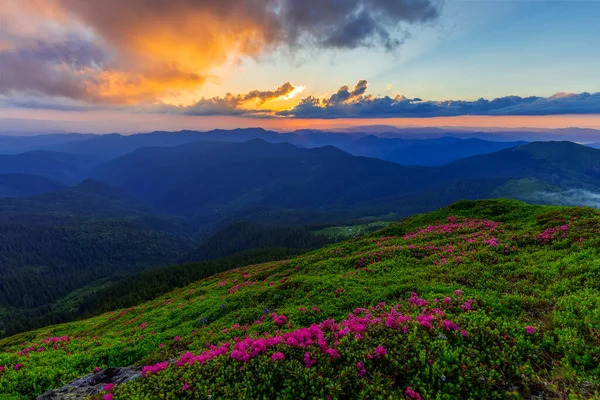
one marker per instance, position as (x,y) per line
(343,95)
(45,103)
(357,104)
(351,23)
(35,69)
(560,103)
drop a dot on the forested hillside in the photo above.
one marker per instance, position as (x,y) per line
(60,269)
(46,259)
(23,185)
(485,299)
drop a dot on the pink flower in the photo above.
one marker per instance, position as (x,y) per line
(361,369)
(415,300)
(161,345)
(277,356)
(412,394)
(448,325)
(177,338)
(316,309)
(18,366)
(380,351)
(108,396)
(530,330)
(467,305)
(279,319)
(447,300)
(425,320)
(391,322)
(564,228)
(185,387)
(464,333)
(309,363)
(97,369)
(2,368)
(154,369)
(458,292)
(109,386)
(333,353)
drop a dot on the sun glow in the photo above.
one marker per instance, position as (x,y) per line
(297,90)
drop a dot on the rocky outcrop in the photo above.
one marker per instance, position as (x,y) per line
(92,384)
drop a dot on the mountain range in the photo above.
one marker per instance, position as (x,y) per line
(114,206)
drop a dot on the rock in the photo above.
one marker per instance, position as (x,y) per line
(92,384)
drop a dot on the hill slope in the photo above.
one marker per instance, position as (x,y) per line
(488,299)
(89,198)
(23,185)
(230,176)
(64,168)
(435,154)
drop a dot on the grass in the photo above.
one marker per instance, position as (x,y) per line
(339,233)
(486,299)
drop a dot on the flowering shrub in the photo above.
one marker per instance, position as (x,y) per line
(154,369)
(479,300)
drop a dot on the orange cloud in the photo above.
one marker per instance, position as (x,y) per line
(240,104)
(145,50)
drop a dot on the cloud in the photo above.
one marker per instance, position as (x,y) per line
(135,51)
(344,95)
(238,104)
(571,197)
(33,69)
(358,104)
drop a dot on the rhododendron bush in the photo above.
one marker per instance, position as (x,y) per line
(489,299)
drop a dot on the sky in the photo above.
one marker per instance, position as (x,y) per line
(137,65)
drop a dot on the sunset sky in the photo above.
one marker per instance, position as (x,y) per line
(138,65)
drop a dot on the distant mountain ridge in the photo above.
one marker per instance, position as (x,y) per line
(424,152)
(213,179)
(114,145)
(65,168)
(89,198)
(25,185)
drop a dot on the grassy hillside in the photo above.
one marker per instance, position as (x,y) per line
(486,299)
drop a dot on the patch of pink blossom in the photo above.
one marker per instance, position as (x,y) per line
(154,369)
(412,394)
(530,330)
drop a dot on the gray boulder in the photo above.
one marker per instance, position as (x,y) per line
(92,384)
